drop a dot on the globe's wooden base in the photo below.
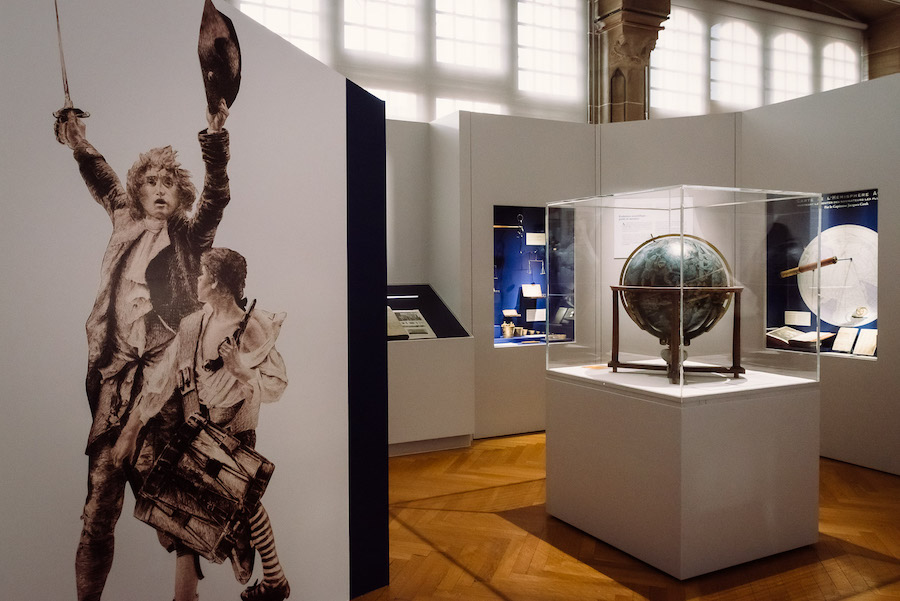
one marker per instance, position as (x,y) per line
(674,365)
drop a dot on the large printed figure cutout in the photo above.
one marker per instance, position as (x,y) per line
(157,259)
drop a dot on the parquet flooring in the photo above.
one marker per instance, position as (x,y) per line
(470,525)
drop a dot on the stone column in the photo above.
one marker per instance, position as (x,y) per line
(883,45)
(623,32)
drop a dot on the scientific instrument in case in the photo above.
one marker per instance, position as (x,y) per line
(679,260)
(676,287)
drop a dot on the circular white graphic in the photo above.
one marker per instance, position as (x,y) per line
(849,287)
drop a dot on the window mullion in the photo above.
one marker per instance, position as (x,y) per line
(428,72)
(510,88)
(707,46)
(332,18)
(767,67)
(816,71)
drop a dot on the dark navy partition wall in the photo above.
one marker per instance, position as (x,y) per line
(367,323)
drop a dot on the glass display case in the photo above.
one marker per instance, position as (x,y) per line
(523,314)
(416,311)
(670,287)
(848,286)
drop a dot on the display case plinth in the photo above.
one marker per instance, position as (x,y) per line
(689,484)
(430,389)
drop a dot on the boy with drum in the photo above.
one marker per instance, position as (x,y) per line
(223,365)
(147,285)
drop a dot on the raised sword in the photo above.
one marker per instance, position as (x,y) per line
(68,106)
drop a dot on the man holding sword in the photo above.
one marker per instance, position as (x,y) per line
(148,283)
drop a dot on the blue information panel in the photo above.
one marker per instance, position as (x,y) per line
(832,275)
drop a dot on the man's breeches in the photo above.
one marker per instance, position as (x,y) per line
(102,507)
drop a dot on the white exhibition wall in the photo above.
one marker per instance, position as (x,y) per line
(430,381)
(134,67)
(448,251)
(641,155)
(473,162)
(842,140)
(408,210)
(515,162)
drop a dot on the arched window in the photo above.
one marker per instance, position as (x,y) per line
(678,66)
(424,57)
(790,74)
(528,57)
(735,65)
(840,66)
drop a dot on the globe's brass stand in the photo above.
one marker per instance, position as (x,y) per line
(674,365)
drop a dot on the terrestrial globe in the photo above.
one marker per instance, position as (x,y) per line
(657,263)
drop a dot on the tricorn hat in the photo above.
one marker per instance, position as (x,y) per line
(220,57)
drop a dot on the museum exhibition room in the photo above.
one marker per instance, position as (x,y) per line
(512,300)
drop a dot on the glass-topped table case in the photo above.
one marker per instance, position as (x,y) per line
(667,289)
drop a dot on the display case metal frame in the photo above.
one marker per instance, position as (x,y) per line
(674,364)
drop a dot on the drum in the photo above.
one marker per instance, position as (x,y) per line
(201,486)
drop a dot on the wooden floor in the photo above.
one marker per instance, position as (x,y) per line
(470,525)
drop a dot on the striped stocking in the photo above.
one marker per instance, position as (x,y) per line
(263,540)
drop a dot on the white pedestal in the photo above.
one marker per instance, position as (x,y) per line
(430,393)
(688,485)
